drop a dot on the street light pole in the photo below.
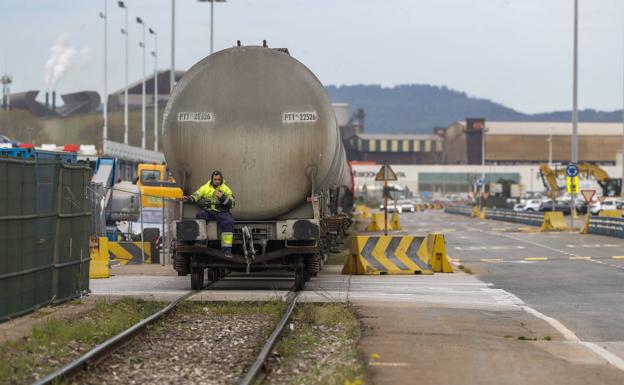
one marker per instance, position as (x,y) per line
(104,16)
(212,21)
(574,107)
(124,31)
(155,55)
(142,45)
(211,27)
(172,74)
(574,156)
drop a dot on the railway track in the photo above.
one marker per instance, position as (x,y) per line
(89,360)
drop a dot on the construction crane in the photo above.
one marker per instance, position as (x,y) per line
(610,186)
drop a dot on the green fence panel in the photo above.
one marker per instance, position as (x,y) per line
(44,234)
(71,262)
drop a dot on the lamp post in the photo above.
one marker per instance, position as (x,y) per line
(124,31)
(103,16)
(155,55)
(574,106)
(212,21)
(549,140)
(142,45)
(172,74)
(574,156)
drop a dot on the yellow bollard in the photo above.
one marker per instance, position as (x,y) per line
(394,222)
(98,266)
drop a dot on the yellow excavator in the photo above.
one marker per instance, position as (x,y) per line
(610,186)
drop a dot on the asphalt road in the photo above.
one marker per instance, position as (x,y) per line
(574,278)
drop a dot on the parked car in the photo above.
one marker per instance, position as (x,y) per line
(407,206)
(609,204)
(518,207)
(402,206)
(563,206)
(532,205)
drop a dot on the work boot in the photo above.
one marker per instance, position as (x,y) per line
(227,252)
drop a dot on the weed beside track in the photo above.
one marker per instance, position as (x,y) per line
(55,342)
(319,348)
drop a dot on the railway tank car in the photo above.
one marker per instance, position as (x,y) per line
(264,120)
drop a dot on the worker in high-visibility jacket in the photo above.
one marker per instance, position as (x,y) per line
(215,200)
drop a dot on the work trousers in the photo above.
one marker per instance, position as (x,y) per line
(225,223)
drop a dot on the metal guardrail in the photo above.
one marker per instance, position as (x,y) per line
(612,227)
(461,210)
(522,217)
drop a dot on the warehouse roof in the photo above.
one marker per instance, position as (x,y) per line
(375,136)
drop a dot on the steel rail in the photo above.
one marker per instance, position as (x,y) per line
(110,345)
(255,368)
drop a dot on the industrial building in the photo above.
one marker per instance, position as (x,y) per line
(378,148)
(440,180)
(506,143)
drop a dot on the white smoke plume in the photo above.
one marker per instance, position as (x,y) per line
(62,57)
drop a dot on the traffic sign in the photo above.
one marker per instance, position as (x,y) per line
(480,182)
(385,174)
(573,183)
(588,195)
(572,170)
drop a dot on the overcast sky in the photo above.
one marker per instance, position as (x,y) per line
(516,52)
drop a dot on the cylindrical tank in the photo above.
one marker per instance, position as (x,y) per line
(264,120)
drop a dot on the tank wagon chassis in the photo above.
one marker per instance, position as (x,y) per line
(297,245)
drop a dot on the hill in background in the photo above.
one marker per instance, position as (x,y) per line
(420,108)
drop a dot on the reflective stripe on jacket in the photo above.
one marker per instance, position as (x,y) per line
(206,197)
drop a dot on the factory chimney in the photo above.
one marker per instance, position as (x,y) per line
(53,101)
(47,98)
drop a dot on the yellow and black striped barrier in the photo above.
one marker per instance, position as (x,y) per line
(386,255)
(130,252)
(374,255)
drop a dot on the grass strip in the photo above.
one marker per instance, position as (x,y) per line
(324,337)
(55,342)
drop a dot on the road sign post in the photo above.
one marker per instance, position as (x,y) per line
(572,173)
(587,196)
(385,174)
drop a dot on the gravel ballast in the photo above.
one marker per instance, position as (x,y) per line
(199,343)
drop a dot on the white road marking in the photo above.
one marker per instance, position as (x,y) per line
(595,246)
(478,248)
(570,336)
